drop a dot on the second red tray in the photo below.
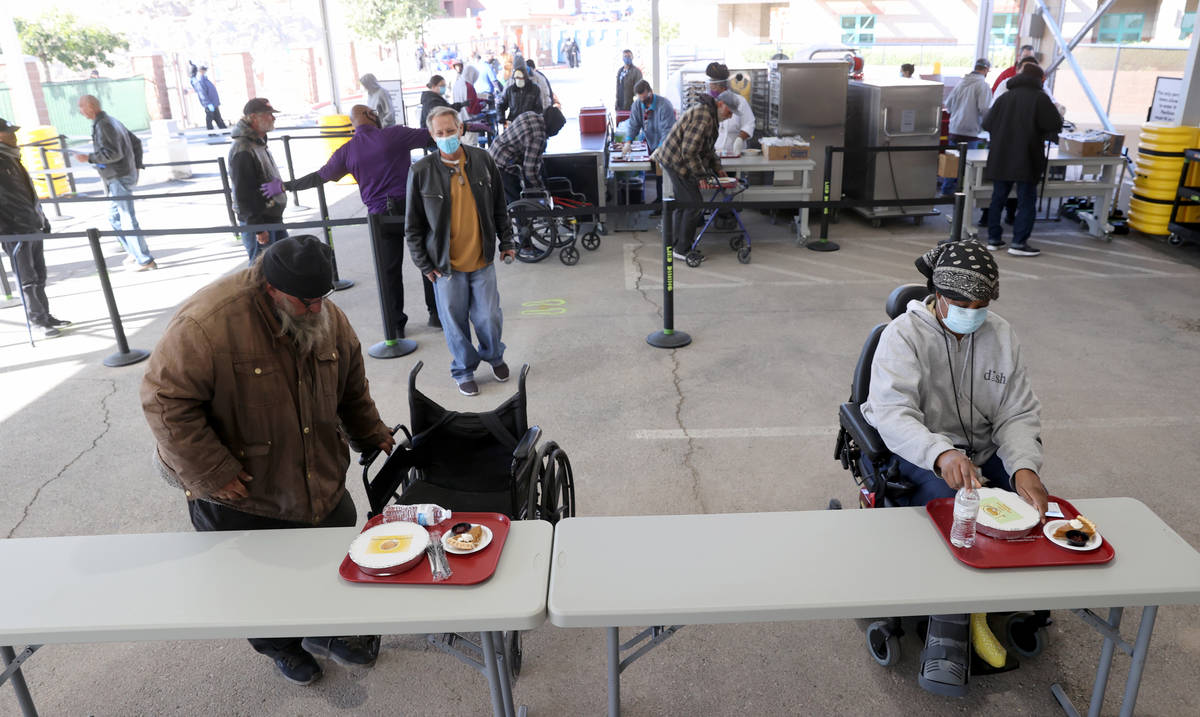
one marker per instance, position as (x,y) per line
(466,569)
(994,553)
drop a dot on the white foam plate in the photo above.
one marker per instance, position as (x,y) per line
(487,540)
(387,561)
(751,152)
(1054,525)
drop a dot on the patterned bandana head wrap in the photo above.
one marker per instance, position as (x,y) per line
(962,271)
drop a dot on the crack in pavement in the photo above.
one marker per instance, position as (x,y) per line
(676,381)
(95,441)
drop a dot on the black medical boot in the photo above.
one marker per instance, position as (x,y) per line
(352,651)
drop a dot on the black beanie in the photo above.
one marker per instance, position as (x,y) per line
(717,72)
(299,266)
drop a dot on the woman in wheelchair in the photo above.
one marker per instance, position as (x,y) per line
(951,399)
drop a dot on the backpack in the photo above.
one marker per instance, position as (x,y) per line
(137,150)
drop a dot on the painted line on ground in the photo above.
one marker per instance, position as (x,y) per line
(1110,252)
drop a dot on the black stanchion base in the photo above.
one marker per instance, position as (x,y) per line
(392,349)
(342,284)
(822,245)
(127,358)
(668,340)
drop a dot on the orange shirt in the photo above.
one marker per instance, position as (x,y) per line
(466,240)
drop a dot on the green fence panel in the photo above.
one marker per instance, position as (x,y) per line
(6,110)
(124,99)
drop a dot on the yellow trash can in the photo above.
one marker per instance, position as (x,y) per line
(331,127)
(1156,176)
(32,140)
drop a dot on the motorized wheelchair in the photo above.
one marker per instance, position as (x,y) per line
(880,485)
(474,462)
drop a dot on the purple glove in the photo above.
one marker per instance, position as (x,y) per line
(273,187)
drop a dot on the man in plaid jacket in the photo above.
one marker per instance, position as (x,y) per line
(688,157)
(518,151)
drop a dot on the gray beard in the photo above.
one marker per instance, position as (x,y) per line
(306,331)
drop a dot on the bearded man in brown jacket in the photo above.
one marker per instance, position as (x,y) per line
(251,395)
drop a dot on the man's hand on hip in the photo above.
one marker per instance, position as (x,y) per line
(235,488)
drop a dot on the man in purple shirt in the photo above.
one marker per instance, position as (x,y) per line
(379,160)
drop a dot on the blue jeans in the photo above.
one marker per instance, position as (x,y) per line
(250,241)
(930,486)
(470,295)
(1026,208)
(122,187)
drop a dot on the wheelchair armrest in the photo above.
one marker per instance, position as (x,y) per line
(366,459)
(527,443)
(863,433)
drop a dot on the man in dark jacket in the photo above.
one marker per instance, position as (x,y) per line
(1019,123)
(115,160)
(251,166)
(519,97)
(435,96)
(454,221)
(255,395)
(206,92)
(20,213)
(627,77)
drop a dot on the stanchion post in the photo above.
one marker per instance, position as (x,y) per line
(390,347)
(287,155)
(225,187)
(125,355)
(66,155)
(668,338)
(339,284)
(823,243)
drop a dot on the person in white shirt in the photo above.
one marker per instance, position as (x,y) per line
(732,133)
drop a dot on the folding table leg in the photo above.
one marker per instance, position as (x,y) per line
(24,699)
(613,643)
(1134,681)
(491,670)
(1102,670)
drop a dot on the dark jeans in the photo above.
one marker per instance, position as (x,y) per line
(684,221)
(207,516)
(214,116)
(930,486)
(1026,209)
(29,261)
(512,186)
(391,258)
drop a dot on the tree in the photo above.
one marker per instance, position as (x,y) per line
(391,20)
(60,37)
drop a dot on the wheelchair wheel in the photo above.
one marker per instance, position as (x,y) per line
(743,255)
(591,241)
(552,486)
(737,241)
(883,643)
(513,654)
(537,235)
(694,258)
(1025,633)
(569,256)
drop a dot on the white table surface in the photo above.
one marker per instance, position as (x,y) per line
(762,567)
(1055,157)
(266,583)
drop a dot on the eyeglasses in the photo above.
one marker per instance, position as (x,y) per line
(308,303)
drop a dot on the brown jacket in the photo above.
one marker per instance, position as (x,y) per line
(225,392)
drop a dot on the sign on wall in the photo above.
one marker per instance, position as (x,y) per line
(1168,94)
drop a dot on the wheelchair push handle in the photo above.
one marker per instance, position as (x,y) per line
(368,457)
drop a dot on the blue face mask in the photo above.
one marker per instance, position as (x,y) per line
(448,145)
(627,60)
(964,321)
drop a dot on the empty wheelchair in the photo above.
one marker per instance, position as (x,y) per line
(539,236)
(880,485)
(474,462)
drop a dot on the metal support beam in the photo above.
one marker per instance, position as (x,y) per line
(1083,31)
(1054,29)
(333,83)
(983,41)
(655,49)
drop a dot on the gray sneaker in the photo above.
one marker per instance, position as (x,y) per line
(468,387)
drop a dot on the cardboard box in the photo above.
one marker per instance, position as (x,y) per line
(1091,144)
(785,151)
(948,164)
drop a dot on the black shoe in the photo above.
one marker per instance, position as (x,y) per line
(996,245)
(500,372)
(656,212)
(56,322)
(298,667)
(1024,250)
(468,388)
(434,321)
(352,651)
(50,332)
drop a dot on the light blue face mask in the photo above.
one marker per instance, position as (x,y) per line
(448,145)
(964,321)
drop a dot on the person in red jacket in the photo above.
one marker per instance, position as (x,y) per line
(1025,51)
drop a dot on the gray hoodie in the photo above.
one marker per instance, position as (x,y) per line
(911,402)
(968,103)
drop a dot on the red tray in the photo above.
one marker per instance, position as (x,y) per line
(466,569)
(995,553)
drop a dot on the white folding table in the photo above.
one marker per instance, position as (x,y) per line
(671,571)
(265,583)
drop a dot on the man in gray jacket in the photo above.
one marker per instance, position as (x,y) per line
(967,104)
(951,398)
(379,100)
(250,167)
(115,159)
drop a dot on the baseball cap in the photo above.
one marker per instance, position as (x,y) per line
(6,127)
(983,62)
(259,104)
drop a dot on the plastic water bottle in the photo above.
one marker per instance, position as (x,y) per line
(425,514)
(966,510)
